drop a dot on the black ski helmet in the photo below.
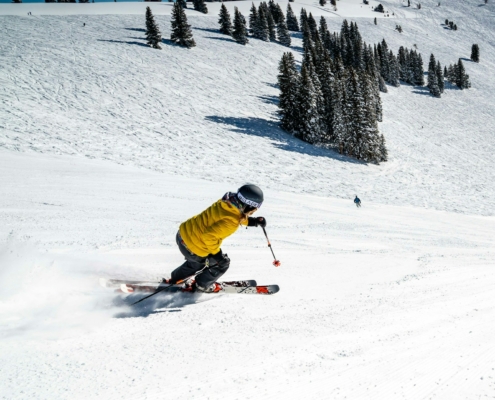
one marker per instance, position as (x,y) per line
(250,195)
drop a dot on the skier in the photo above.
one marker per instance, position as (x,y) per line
(357,201)
(200,237)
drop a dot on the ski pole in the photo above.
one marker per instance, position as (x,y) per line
(276,262)
(160,289)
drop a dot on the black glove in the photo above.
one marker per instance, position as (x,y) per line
(221,259)
(258,221)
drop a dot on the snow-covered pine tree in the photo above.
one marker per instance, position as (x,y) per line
(200,5)
(384,60)
(254,21)
(288,82)
(153,35)
(339,125)
(272,35)
(273,10)
(401,58)
(356,42)
(279,13)
(419,73)
(393,75)
(282,31)
(372,71)
(323,28)
(432,77)
(313,27)
(263,32)
(292,23)
(225,21)
(183,3)
(181,31)
(440,78)
(323,2)
(461,79)
(304,18)
(309,128)
(240,33)
(475,53)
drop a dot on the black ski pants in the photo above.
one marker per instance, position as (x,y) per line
(194,264)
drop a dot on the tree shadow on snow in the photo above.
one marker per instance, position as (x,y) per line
(135,29)
(422,90)
(160,303)
(208,30)
(226,39)
(282,140)
(269,99)
(122,41)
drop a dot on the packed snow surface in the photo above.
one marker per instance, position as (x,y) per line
(107,145)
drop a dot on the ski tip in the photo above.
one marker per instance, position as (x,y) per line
(268,289)
(126,289)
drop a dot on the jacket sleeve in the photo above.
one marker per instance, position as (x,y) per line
(215,234)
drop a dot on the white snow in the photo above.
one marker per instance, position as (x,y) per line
(106,146)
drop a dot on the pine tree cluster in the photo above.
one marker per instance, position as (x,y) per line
(267,23)
(334,100)
(411,67)
(200,5)
(456,74)
(451,25)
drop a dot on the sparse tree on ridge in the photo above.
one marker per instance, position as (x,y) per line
(153,35)
(240,30)
(181,31)
(225,21)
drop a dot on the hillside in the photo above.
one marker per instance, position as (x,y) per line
(106,146)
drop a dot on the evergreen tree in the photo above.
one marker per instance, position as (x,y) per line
(440,78)
(419,75)
(272,36)
(282,31)
(254,21)
(263,32)
(393,74)
(304,18)
(292,23)
(288,82)
(432,77)
(309,128)
(475,53)
(313,27)
(461,78)
(225,21)
(153,35)
(181,31)
(240,30)
(183,3)
(200,5)
(323,2)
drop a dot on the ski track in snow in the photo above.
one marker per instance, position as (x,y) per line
(106,146)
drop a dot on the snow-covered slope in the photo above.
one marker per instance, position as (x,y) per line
(107,145)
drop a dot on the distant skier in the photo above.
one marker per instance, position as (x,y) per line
(200,237)
(357,201)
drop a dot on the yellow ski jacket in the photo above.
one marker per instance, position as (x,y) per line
(203,234)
